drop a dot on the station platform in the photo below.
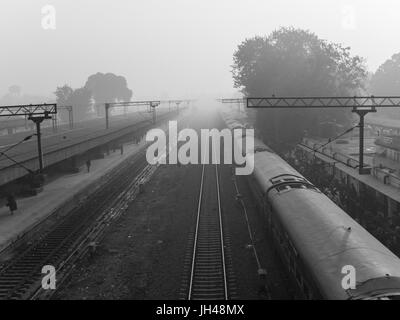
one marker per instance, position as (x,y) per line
(33,210)
(56,147)
(369,180)
(385,186)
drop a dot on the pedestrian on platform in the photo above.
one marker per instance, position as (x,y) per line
(11,203)
(88,164)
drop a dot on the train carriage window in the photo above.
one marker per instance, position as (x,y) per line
(281,239)
(292,248)
(298,276)
(306,290)
(291,264)
(276,234)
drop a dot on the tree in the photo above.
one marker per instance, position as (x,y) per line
(15,90)
(63,94)
(295,62)
(79,99)
(386,81)
(15,96)
(108,88)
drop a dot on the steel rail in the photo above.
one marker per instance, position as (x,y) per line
(221,234)
(196,232)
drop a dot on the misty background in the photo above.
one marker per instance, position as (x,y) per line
(174,48)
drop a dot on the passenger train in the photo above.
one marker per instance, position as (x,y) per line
(319,243)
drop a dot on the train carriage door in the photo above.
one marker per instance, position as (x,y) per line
(392,207)
(382,205)
(267,210)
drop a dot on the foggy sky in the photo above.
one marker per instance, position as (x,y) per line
(179,48)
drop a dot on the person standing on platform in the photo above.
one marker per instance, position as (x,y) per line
(88,164)
(11,203)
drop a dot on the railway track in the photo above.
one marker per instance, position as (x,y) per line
(208,263)
(21,277)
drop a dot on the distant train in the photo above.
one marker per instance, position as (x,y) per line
(319,243)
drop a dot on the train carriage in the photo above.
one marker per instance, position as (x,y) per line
(317,240)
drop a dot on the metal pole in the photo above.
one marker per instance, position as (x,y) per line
(106,110)
(39,143)
(361,114)
(361,149)
(53,121)
(53,125)
(71,118)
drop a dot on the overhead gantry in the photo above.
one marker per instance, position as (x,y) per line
(35,112)
(359,105)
